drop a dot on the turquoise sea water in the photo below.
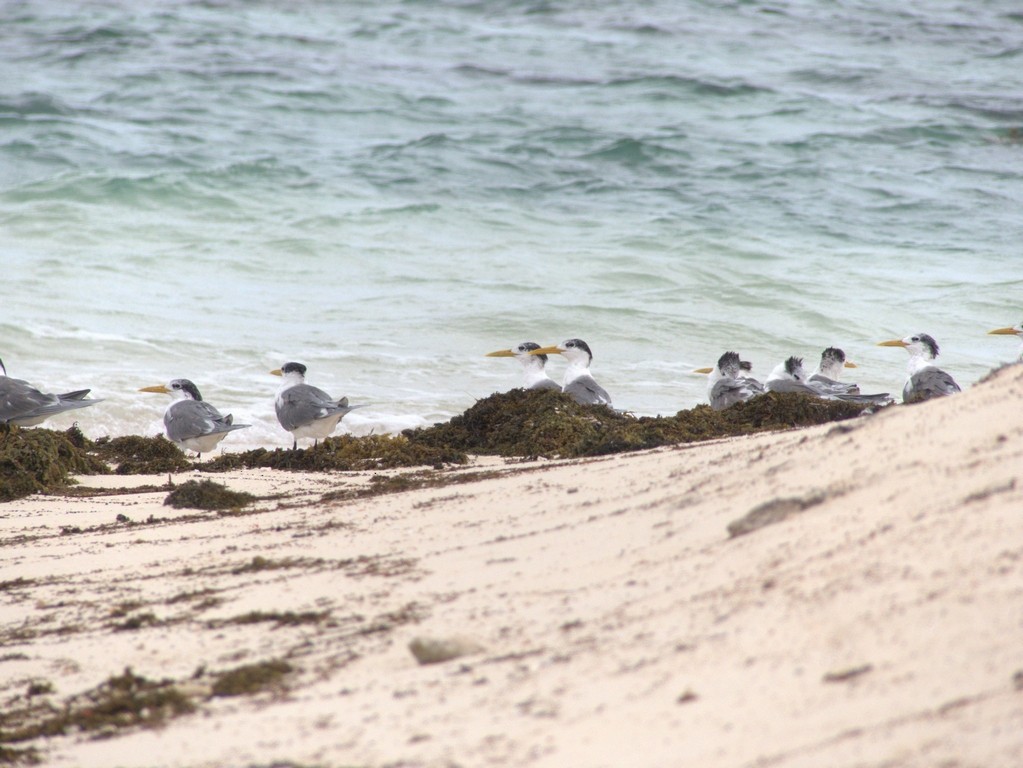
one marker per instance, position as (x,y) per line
(386,191)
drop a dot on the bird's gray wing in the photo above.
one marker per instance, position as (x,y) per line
(787,385)
(586,391)
(194,418)
(20,401)
(304,404)
(545,384)
(928,383)
(728,392)
(78,394)
(832,386)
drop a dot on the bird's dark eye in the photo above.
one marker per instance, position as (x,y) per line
(915,338)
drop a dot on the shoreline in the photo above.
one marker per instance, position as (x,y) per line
(609,614)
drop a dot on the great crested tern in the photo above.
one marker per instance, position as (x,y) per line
(191,422)
(789,376)
(25,406)
(727,384)
(532,365)
(305,410)
(829,370)
(1016,330)
(578,381)
(925,380)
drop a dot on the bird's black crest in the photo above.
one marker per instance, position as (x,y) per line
(187,386)
(729,360)
(580,344)
(528,346)
(793,364)
(3,368)
(833,353)
(929,342)
(293,368)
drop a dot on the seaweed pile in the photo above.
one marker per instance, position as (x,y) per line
(344,453)
(34,460)
(519,423)
(547,423)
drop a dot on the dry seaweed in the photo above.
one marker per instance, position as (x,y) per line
(206,494)
(136,455)
(344,453)
(548,423)
(251,678)
(122,701)
(40,460)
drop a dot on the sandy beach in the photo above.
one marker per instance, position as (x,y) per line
(842,595)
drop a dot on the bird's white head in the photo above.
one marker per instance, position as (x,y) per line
(918,345)
(178,389)
(293,372)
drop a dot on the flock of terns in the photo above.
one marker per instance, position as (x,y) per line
(308,412)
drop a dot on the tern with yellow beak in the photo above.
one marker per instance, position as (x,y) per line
(191,422)
(578,382)
(532,365)
(925,380)
(24,405)
(829,369)
(1016,330)
(727,383)
(789,376)
(305,410)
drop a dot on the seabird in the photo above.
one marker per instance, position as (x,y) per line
(829,369)
(305,410)
(789,376)
(532,365)
(1016,330)
(24,405)
(191,422)
(925,379)
(577,382)
(726,384)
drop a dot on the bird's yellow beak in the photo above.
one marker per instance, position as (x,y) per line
(157,388)
(704,370)
(850,364)
(501,353)
(545,351)
(1003,332)
(893,343)
(276,372)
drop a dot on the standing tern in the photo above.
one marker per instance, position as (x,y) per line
(1016,330)
(789,376)
(305,410)
(532,365)
(727,384)
(24,405)
(578,381)
(191,422)
(925,380)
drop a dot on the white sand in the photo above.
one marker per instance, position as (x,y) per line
(882,625)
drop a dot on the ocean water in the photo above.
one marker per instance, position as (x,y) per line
(388,190)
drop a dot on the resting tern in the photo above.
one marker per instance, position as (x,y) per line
(24,405)
(789,376)
(727,384)
(532,365)
(829,369)
(578,381)
(305,410)
(925,379)
(191,422)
